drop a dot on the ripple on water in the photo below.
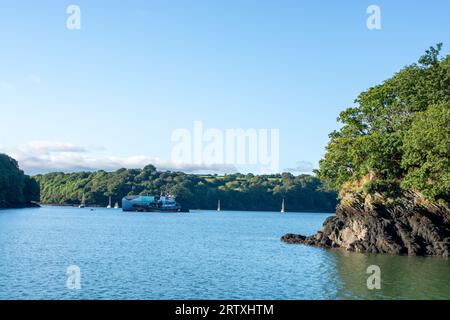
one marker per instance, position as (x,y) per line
(200,255)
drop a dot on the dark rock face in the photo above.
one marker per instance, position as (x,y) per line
(407,228)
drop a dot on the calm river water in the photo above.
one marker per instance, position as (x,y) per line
(198,255)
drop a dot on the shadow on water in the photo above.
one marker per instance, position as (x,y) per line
(402,277)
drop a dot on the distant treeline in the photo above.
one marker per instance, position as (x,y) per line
(16,188)
(236,191)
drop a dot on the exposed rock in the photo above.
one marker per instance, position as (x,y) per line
(410,226)
(293,238)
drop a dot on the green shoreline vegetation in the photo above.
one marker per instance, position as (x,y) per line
(390,163)
(236,191)
(397,138)
(17,190)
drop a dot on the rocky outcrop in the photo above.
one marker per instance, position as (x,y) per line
(410,227)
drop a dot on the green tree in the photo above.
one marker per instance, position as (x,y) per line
(236,192)
(427,153)
(377,144)
(16,188)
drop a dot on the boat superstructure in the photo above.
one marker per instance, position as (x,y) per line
(151,204)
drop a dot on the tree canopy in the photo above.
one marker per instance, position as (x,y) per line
(16,188)
(397,136)
(236,191)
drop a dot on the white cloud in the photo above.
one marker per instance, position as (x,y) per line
(46,147)
(301,167)
(49,156)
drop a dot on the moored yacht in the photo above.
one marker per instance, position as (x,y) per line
(82,204)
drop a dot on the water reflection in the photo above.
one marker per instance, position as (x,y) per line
(402,277)
(202,255)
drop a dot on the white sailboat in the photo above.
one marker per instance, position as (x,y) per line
(109,204)
(282,206)
(116,206)
(82,205)
(218,205)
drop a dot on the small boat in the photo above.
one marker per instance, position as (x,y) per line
(282,206)
(109,205)
(116,206)
(82,205)
(218,205)
(151,204)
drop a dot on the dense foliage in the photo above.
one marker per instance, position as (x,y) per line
(397,137)
(236,192)
(16,188)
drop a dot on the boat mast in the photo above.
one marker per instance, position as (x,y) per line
(82,204)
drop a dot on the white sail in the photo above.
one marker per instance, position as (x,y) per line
(282,206)
(218,205)
(82,205)
(109,204)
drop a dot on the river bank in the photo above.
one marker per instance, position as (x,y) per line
(7,205)
(411,226)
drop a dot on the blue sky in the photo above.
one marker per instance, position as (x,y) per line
(112,93)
